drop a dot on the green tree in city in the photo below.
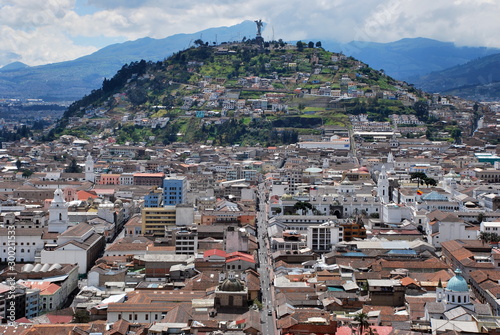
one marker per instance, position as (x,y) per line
(362,319)
(27,173)
(73,167)
(456,134)
(419,176)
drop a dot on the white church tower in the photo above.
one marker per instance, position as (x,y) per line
(89,169)
(383,186)
(58,213)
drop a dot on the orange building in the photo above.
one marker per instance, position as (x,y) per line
(353,230)
(109,179)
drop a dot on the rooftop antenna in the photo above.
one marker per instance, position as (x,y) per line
(273,33)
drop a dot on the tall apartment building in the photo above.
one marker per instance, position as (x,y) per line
(322,238)
(174,190)
(186,241)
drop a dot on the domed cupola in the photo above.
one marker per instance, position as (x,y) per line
(232,285)
(457,283)
(457,290)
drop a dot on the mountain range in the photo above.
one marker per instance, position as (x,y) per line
(73,79)
(406,59)
(410,58)
(478,79)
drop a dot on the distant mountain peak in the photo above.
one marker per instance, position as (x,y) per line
(14,66)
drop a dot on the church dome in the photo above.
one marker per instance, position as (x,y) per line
(232,285)
(313,170)
(457,283)
(452,175)
(346,181)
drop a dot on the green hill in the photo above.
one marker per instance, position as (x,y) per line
(479,78)
(236,93)
(71,80)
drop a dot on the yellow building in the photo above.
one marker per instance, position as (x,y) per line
(156,219)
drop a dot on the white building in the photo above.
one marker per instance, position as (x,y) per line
(78,245)
(490,227)
(453,303)
(335,142)
(443,226)
(383,186)
(58,213)
(322,238)
(89,169)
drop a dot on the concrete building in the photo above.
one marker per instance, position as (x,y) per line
(154,198)
(174,190)
(322,238)
(157,220)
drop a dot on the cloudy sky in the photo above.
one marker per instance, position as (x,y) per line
(45,31)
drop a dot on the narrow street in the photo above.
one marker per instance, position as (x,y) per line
(265,267)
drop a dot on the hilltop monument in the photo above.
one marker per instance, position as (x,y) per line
(259,26)
(258,38)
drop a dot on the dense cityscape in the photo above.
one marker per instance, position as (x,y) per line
(297,192)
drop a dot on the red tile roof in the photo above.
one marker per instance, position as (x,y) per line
(59,318)
(214,252)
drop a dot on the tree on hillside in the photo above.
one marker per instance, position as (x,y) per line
(300,46)
(310,45)
(421,110)
(137,95)
(456,134)
(318,44)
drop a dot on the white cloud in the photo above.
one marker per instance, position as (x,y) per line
(38,32)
